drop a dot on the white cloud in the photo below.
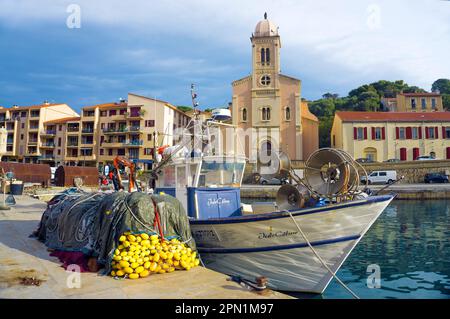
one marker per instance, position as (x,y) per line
(411,41)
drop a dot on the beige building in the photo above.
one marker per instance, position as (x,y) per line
(129,128)
(28,136)
(381,136)
(267,104)
(414,102)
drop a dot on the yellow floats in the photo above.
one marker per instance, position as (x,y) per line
(138,256)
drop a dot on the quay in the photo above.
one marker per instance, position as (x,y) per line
(403,191)
(27,270)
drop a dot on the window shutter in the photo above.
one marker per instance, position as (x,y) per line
(420,132)
(365,133)
(355,133)
(443,132)
(373,133)
(383,133)
(397,133)
(436,132)
(426,132)
(408,133)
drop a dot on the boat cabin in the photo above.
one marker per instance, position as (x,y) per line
(207,187)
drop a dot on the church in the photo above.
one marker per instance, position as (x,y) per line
(267,105)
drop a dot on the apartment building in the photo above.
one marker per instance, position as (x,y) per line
(29,138)
(129,128)
(387,135)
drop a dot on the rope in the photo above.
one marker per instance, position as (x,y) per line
(320,258)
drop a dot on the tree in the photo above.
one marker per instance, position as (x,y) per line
(441,85)
(446,101)
(184,108)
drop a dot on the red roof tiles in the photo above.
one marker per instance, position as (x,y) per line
(394,116)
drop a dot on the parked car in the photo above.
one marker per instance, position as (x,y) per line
(436,178)
(273,181)
(425,158)
(365,160)
(382,177)
(392,160)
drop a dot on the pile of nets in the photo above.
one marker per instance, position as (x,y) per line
(140,255)
(93,223)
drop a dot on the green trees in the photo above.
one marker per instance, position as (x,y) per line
(443,86)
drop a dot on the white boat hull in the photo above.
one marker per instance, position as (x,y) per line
(270,245)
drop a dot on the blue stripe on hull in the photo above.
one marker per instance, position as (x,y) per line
(275,215)
(271,248)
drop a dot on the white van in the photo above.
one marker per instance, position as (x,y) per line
(382,177)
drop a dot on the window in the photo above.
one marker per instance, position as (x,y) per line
(103,113)
(266,114)
(263,56)
(121,151)
(110,152)
(431,132)
(265,80)
(424,104)
(23,125)
(244,114)
(59,152)
(23,114)
(60,128)
(433,103)
(21,136)
(112,112)
(288,114)
(447,132)
(267,56)
(413,103)
(59,141)
(149,123)
(415,133)
(149,137)
(378,133)
(360,135)
(383,174)
(102,151)
(147,151)
(401,133)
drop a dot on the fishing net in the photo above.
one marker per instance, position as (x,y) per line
(92,223)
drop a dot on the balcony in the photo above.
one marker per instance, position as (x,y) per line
(71,144)
(32,142)
(48,145)
(112,144)
(73,130)
(137,115)
(9,141)
(87,130)
(134,129)
(135,143)
(48,133)
(115,130)
(33,128)
(47,157)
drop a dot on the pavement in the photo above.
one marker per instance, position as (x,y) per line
(27,270)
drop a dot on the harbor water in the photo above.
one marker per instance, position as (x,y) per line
(409,245)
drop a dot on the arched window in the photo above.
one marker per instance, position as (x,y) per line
(263,55)
(288,113)
(267,55)
(244,115)
(268,114)
(264,114)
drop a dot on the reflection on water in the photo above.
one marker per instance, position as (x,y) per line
(411,244)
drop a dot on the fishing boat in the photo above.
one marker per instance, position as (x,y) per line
(298,242)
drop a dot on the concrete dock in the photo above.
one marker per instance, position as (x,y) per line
(25,262)
(403,191)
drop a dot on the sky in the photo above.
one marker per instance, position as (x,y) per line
(96,51)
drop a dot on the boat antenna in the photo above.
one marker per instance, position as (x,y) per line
(194,101)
